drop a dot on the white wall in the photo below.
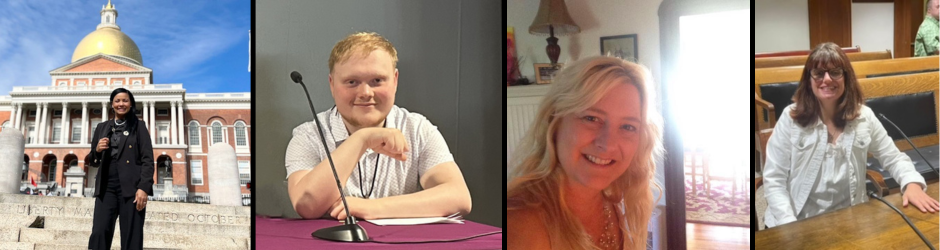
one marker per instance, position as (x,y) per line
(596,18)
(781,25)
(873,26)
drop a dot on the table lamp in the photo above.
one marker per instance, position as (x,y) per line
(553,18)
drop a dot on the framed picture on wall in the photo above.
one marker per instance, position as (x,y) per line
(622,46)
(544,72)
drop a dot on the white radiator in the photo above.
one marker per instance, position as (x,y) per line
(522,104)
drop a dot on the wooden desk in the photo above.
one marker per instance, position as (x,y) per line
(870,225)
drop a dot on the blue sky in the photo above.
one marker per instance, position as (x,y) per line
(201,44)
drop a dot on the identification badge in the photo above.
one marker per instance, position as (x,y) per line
(125,133)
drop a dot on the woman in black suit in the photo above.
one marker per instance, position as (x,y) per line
(123,152)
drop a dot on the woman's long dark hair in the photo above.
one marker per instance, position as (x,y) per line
(848,106)
(132,113)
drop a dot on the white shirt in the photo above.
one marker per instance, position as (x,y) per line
(832,184)
(795,155)
(393,177)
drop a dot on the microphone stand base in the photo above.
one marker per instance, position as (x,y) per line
(343,233)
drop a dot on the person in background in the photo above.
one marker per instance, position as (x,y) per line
(928,35)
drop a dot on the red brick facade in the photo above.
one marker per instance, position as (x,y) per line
(181,172)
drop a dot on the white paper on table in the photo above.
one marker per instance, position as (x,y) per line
(415,221)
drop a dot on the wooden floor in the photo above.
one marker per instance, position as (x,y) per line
(705,236)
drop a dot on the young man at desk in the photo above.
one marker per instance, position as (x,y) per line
(393,163)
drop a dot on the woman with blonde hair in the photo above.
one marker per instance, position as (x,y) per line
(584,171)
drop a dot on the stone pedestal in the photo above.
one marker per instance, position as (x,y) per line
(11,160)
(168,188)
(73,182)
(224,185)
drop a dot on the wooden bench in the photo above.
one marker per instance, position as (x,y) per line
(784,61)
(917,94)
(786,79)
(847,50)
(911,102)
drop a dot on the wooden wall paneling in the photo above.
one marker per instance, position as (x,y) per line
(830,21)
(908,14)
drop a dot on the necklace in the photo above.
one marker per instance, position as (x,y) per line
(119,124)
(607,239)
(375,171)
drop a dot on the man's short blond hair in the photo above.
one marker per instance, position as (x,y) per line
(362,43)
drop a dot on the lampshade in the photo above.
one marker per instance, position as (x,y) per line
(553,13)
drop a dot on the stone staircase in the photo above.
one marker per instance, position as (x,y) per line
(169,225)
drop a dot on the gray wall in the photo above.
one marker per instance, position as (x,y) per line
(450,70)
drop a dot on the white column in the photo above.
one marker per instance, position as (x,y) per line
(146,112)
(85,123)
(179,122)
(41,129)
(172,123)
(153,131)
(17,108)
(23,117)
(64,135)
(104,111)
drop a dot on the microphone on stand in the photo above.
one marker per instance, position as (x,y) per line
(350,231)
(909,141)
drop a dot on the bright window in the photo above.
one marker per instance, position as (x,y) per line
(196,167)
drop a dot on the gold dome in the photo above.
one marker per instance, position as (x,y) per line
(109,41)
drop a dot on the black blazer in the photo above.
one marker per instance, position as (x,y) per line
(135,160)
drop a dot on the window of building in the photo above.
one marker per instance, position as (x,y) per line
(216,132)
(57,113)
(32,113)
(56,131)
(118,82)
(52,168)
(31,134)
(80,83)
(6,124)
(99,83)
(96,111)
(241,134)
(163,133)
(25,169)
(63,83)
(244,172)
(163,112)
(76,131)
(196,167)
(136,82)
(194,136)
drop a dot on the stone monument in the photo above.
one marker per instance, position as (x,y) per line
(11,160)
(224,185)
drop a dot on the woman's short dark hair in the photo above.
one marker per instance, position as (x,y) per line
(848,105)
(132,113)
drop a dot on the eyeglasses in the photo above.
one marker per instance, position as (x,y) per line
(835,73)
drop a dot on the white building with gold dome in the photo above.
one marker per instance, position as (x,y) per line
(57,120)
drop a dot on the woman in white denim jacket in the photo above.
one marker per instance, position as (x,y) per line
(816,156)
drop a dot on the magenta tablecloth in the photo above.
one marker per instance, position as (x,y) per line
(275,233)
